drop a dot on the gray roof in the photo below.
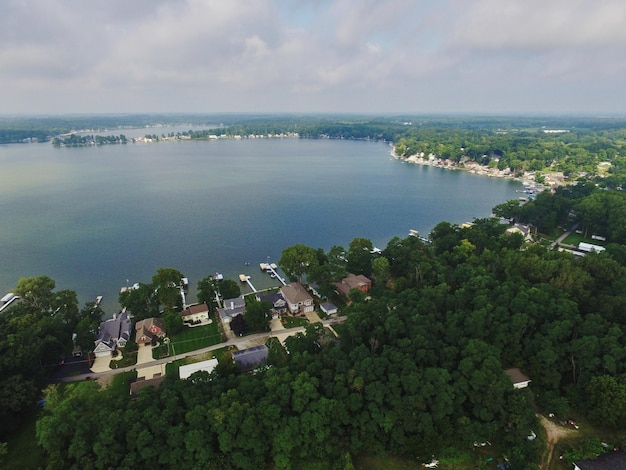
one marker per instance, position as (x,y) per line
(608,461)
(229,313)
(247,359)
(112,330)
(235,302)
(328,307)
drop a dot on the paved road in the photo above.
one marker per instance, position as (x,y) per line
(230,342)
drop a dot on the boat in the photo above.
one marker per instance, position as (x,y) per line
(413,233)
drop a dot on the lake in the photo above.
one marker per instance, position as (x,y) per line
(97,218)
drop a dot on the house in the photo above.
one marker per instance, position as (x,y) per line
(297,298)
(232,308)
(609,461)
(524,230)
(328,308)
(195,314)
(149,330)
(279,304)
(352,281)
(112,334)
(184,372)
(248,359)
(517,377)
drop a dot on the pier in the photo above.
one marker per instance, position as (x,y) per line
(246,279)
(272,269)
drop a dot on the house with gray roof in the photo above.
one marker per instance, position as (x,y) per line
(248,359)
(279,304)
(609,461)
(232,308)
(113,334)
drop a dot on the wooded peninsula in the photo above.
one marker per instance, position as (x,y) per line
(416,371)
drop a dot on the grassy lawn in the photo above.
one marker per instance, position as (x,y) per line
(128,359)
(23,449)
(171,368)
(120,384)
(292,322)
(198,337)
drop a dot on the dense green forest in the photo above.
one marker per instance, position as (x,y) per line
(417,370)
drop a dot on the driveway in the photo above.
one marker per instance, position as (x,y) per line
(101,364)
(313,317)
(144,354)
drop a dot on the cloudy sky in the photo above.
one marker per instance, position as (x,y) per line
(378,56)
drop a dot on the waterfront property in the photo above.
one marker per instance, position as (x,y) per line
(279,304)
(232,308)
(352,281)
(297,297)
(149,331)
(113,334)
(195,314)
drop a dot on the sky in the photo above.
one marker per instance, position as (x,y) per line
(305,56)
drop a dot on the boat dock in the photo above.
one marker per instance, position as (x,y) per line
(246,279)
(271,268)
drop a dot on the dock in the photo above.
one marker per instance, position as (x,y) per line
(271,268)
(98,300)
(246,279)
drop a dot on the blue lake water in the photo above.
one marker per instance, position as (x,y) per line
(93,217)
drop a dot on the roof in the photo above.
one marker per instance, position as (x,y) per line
(516,375)
(295,293)
(235,302)
(247,359)
(139,384)
(328,307)
(185,371)
(146,323)
(115,328)
(354,281)
(227,313)
(608,461)
(271,297)
(195,309)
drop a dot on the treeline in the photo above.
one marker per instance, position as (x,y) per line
(75,140)
(36,336)
(417,371)
(579,150)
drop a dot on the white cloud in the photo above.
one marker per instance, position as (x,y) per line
(334,55)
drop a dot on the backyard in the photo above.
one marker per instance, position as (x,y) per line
(188,340)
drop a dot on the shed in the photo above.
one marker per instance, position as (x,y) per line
(517,377)
(328,308)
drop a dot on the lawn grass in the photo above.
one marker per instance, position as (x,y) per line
(24,453)
(190,339)
(171,368)
(292,322)
(120,384)
(128,359)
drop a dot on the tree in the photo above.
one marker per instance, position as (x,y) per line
(172,322)
(258,314)
(360,256)
(141,301)
(207,288)
(381,269)
(229,289)
(238,325)
(297,260)
(36,291)
(167,283)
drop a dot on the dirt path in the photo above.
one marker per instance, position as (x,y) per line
(554,433)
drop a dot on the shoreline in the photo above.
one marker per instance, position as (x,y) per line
(527,178)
